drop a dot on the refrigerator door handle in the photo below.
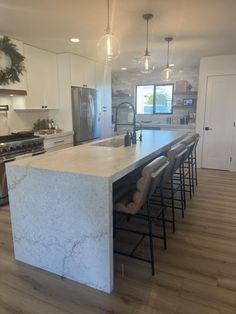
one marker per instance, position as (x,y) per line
(91,114)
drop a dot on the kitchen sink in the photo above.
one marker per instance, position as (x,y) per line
(114,142)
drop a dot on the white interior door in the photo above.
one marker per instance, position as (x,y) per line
(219,122)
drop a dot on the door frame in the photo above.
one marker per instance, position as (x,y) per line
(204,122)
(210,66)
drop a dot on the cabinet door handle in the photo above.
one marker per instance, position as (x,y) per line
(57,142)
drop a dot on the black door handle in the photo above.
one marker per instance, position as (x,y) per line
(207,128)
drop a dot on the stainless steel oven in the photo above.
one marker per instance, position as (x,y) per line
(12,147)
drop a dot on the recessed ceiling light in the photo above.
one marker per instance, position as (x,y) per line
(75,40)
(123,69)
(171,65)
(11,95)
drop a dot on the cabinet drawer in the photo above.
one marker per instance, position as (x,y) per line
(58,141)
(54,148)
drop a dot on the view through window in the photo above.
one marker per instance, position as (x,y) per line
(154,99)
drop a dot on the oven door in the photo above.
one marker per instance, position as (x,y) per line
(3,181)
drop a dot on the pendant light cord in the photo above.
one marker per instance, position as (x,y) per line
(168,54)
(108,18)
(147,52)
(168,39)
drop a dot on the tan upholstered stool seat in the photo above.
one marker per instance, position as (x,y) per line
(132,204)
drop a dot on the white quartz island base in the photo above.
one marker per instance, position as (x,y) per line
(61,206)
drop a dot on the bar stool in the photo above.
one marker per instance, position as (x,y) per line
(190,163)
(173,183)
(196,138)
(135,204)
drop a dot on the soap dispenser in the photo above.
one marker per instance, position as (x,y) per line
(126,139)
(134,138)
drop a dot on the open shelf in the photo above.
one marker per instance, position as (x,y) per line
(189,93)
(183,107)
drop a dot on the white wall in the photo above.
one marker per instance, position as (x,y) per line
(217,65)
(13,121)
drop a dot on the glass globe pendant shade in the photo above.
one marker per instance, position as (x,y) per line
(167,74)
(108,47)
(146,64)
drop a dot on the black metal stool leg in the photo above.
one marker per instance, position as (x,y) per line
(183,179)
(150,238)
(173,205)
(181,190)
(195,166)
(192,172)
(189,179)
(163,218)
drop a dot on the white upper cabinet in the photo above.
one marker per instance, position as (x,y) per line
(22,84)
(82,72)
(42,79)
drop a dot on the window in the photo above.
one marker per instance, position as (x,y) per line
(154,99)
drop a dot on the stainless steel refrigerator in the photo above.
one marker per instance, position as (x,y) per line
(86,114)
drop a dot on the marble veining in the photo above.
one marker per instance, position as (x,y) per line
(61,223)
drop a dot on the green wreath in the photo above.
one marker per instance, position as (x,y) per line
(11,74)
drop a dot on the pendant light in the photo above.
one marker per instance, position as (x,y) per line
(108,44)
(146,64)
(167,73)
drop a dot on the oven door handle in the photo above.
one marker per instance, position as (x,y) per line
(39,153)
(8,160)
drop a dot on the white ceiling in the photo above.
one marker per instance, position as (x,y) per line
(199,27)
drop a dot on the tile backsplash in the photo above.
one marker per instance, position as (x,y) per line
(18,120)
(124,84)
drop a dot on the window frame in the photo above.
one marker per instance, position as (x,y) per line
(154,99)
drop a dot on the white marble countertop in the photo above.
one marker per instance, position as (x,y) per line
(55,135)
(113,162)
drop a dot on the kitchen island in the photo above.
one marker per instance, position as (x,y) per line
(61,205)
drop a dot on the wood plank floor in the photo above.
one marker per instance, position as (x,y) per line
(196,275)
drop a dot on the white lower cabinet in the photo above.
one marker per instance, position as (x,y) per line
(57,142)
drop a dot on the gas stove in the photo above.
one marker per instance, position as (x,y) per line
(20,143)
(12,147)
